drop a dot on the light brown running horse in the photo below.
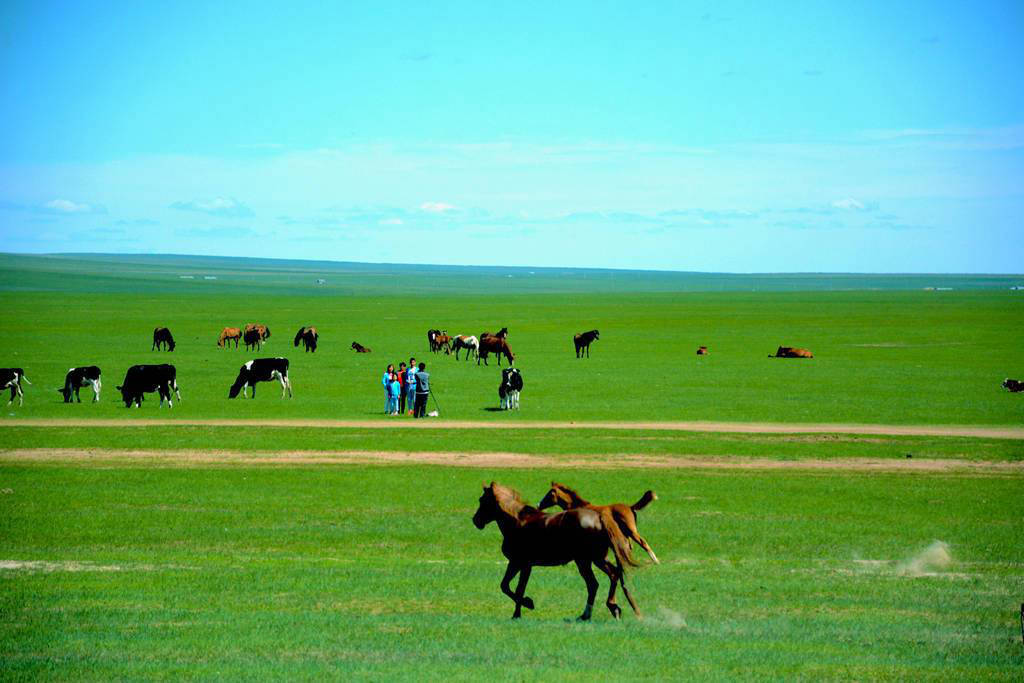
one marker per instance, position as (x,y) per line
(531,538)
(624,515)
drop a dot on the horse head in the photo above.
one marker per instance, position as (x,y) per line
(555,496)
(487,512)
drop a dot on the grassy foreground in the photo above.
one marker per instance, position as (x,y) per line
(371,572)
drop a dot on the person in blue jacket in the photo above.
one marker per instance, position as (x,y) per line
(385,380)
(410,385)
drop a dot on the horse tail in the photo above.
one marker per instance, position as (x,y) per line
(645,500)
(618,541)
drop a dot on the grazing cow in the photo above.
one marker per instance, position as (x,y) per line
(82,377)
(508,390)
(790,352)
(162,337)
(253,339)
(227,334)
(359,348)
(262,370)
(583,340)
(1013,385)
(496,345)
(308,336)
(471,344)
(141,379)
(10,378)
(702,350)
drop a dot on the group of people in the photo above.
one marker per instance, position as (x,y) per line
(409,385)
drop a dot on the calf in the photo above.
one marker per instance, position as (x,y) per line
(262,370)
(791,352)
(1011,385)
(82,377)
(141,379)
(508,390)
(162,337)
(702,350)
(359,348)
(10,378)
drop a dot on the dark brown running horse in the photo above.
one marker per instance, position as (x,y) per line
(623,514)
(531,538)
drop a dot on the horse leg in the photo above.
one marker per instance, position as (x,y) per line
(625,589)
(627,524)
(613,576)
(587,572)
(521,601)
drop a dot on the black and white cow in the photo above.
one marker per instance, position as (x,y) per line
(10,378)
(1013,385)
(82,377)
(262,370)
(141,379)
(508,390)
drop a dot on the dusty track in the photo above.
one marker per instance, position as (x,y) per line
(189,457)
(728,427)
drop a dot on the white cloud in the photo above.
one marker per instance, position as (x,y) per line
(848,205)
(68,206)
(220,206)
(436,207)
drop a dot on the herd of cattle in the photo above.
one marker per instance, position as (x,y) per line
(162,378)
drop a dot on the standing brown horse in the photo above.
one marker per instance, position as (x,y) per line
(308,336)
(496,345)
(531,538)
(624,515)
(227,334)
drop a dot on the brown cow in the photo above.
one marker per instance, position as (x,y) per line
(496,345)
(790,352)
(227,334)
(702,350)
(359,348)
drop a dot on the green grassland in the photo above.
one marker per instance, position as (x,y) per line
(882,356)
(119,567)
(286,572)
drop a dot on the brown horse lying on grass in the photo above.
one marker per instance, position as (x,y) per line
(531,538)
(624,515)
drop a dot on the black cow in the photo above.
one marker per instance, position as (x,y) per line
(10,378)
(82,377)
(1013,385)
(162,337)
(508,390)
(141,379)
(262,370)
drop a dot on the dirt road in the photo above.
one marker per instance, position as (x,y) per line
(440,423)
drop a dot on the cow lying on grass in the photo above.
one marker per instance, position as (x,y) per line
(261,370)
(1013,385)
(142,379)
(10,378)
(88,376)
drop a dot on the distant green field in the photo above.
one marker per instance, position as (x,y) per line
(881,356)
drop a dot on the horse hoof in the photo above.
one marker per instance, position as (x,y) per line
(527,603)
(616,611)
(583,617)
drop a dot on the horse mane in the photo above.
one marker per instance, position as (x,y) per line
(576,499)
(510,502)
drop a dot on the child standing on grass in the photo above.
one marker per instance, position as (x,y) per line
(394,389)
(401,391)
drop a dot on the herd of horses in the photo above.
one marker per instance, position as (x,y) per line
(582,533)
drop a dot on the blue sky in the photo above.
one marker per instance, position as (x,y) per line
(884,137)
